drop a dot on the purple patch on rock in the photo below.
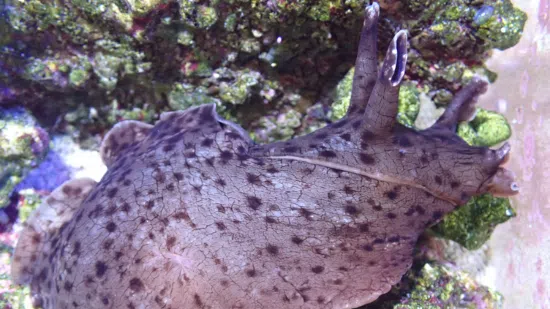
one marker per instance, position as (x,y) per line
(47,176)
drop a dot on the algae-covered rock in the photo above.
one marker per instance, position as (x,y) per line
(280,127)
(439,286)
(499,23)
(409,104)
(138,53)
(342,96)
(11,296)
(22,146)
(436,286)
(472,224)
(184,96)
(486,129)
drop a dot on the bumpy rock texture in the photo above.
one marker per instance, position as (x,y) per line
(23,144)
(192,213)
(84,65)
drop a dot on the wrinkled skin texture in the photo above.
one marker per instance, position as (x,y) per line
(193,214)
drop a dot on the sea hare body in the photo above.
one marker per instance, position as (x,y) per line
(193,214)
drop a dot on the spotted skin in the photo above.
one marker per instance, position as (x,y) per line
(193,214)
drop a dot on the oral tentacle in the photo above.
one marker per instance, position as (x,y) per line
(366,65)
(502,184)
(462,107)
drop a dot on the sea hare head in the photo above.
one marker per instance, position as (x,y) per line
(192,214)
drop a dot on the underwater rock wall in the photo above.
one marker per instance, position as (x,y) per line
(279,68)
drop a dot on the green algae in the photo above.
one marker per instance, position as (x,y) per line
(472,224)
(409,100)
(125,50)
(184,96)
(22,147)
(486,129)
(29,200)
(409,104)
(197,15)
(342,96)
(503,28)
(280,127)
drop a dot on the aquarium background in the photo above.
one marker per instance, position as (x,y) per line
(521,246)
(57,107)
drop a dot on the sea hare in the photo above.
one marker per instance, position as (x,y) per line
(193,214)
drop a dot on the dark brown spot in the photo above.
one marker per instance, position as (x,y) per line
(290,149)
(107,244)
(170,242)
(254,202)
(420,210)
(198,300)
(207,142)
(112,192)
(391,215)
(226,155)
(366,136)
(105,301)
(320,300)
(327,154)
(297,240)
(269,219)
(437,214)
(100,268)
(221,226)
(348,190)
(253,179)
(321,136)
(409,212)
(170,187)
(149,204)
(111,227)
(272,170)
(350,209)
(168,147)
(306,213)
(366,158)
(346,137)
(438,180)
(220,182)
(402,141)
(272,249)
(317,269)
(455,184)
(392,195)
(178,176)
(68,286)
(363,227)
(251,273)
(136,285)
(338,281)
(368,248)
(35,240)
(393,239)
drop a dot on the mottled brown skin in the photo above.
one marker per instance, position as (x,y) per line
(192,214)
